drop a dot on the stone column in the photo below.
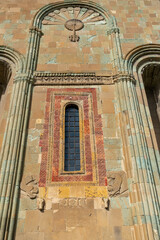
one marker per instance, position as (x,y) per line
(139,163)
(14,139)
(115,48)
(31,64)
(33,49)
(12,147)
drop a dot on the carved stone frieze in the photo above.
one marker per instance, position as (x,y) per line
(29,187)
(71,78)
(117,183)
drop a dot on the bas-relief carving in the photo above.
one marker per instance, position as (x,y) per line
(29,187)
(71,78)
(95,203)
(117,183)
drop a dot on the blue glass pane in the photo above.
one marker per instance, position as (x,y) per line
(76,139)
(71,145)
(77,134)
(77,162)
(77,167)
(77,145)
(66,168)
(72,169)
(71,134)
(76,129)
(71,150)
(71,140)
(71,129)
(77,124)
(71,119)
(72,156)
(66,134)
(72,163)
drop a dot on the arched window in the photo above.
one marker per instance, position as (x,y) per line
(72,142)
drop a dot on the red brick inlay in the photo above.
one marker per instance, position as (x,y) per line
(60,95)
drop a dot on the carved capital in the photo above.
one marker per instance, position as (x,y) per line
(36,30)
(125,77)
(113,30)
(23,77)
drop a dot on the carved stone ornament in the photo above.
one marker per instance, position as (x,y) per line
(74,19)
(71,78)
(117,183)
(29,187)
(40,204)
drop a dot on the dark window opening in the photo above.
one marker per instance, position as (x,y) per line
(151,76)
(72,144)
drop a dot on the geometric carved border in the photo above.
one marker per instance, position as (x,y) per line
(71,78)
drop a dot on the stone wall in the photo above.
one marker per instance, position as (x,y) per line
(115,194)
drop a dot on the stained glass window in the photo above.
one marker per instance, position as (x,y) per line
(72,145)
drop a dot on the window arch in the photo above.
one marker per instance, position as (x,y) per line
(72,139)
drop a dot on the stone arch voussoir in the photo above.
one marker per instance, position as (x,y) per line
(141,56)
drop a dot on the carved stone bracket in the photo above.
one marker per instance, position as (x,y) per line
(29,187)
(71,78)
(117,183)
(40,204)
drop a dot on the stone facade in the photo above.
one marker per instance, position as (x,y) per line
(102,56)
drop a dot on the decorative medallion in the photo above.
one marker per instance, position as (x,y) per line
(74,19)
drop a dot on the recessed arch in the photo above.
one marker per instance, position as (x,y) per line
(37,21)
(13,57)
(11,61)
(140,56)
(144,63)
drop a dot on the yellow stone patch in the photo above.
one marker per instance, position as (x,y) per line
(42,192)
(77,191)
(95,191)
(53,192)
(64,192)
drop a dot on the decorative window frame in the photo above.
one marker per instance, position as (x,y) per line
(64,104)
(51,170)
